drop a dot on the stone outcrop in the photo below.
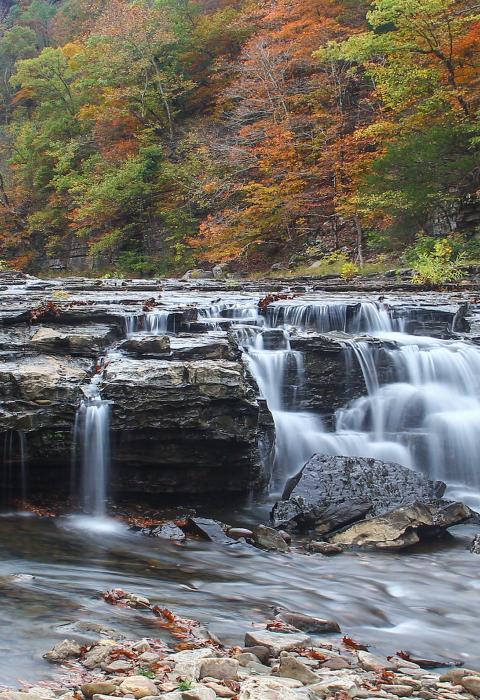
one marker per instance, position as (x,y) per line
(403,527)
(330,492)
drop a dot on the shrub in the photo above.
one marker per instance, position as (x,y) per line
(349,270)
(438,266)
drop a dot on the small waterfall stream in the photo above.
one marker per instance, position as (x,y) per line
(91,456)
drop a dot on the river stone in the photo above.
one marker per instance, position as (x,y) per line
(187,663)
(100,688)
(471,684)
(208,529)
(290,667)
(222,668)
(333,685)
(146,345)
(98,654)
(307,623)
(63,650)
(454,675)
(269,689)
(138,686)
(268,538)
(276,642)
(370,662)
(18,695)
(404,526)
(167,531)
(401,691)
(262,653)
(220,690)
(333,491)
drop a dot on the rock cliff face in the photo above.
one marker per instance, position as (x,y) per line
(184,413)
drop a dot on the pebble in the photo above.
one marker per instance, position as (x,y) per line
(99,688)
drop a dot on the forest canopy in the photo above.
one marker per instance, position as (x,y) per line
(148,136)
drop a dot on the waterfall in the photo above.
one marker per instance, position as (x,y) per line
(423,413)
(157,322)
(91,450)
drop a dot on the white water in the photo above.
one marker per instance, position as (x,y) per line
(92,451)
(424,412)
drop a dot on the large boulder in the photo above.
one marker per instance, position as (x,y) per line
(404,526)
(330,492)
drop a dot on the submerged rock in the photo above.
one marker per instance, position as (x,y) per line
(404,526)
(330,492)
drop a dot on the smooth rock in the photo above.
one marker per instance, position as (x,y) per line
(238,532)
(291,667)
(222,668)
(471,684)
(208,529)
(334,685)
(268,538)
(276,642)
(220,691)
(119,666)
(63,650)
(138,686)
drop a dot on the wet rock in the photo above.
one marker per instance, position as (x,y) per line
(167,531)
(268,538)
(290,667)
(146,345)
(215,345)
(87,341)
(471,684)
(239,532)
(326,548)
(138,686)
(66,649)
(330,492)
(403,527)
(276,642)
(307,623)
(208,529)
(222,668)
(475,546)
(100,688)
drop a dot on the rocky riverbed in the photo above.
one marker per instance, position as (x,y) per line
(292,656)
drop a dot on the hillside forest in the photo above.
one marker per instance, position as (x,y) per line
(145,137)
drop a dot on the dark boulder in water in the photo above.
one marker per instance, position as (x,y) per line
(331,492)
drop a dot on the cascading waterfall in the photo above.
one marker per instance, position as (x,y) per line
(14,462)
(425,413)
(156,322)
